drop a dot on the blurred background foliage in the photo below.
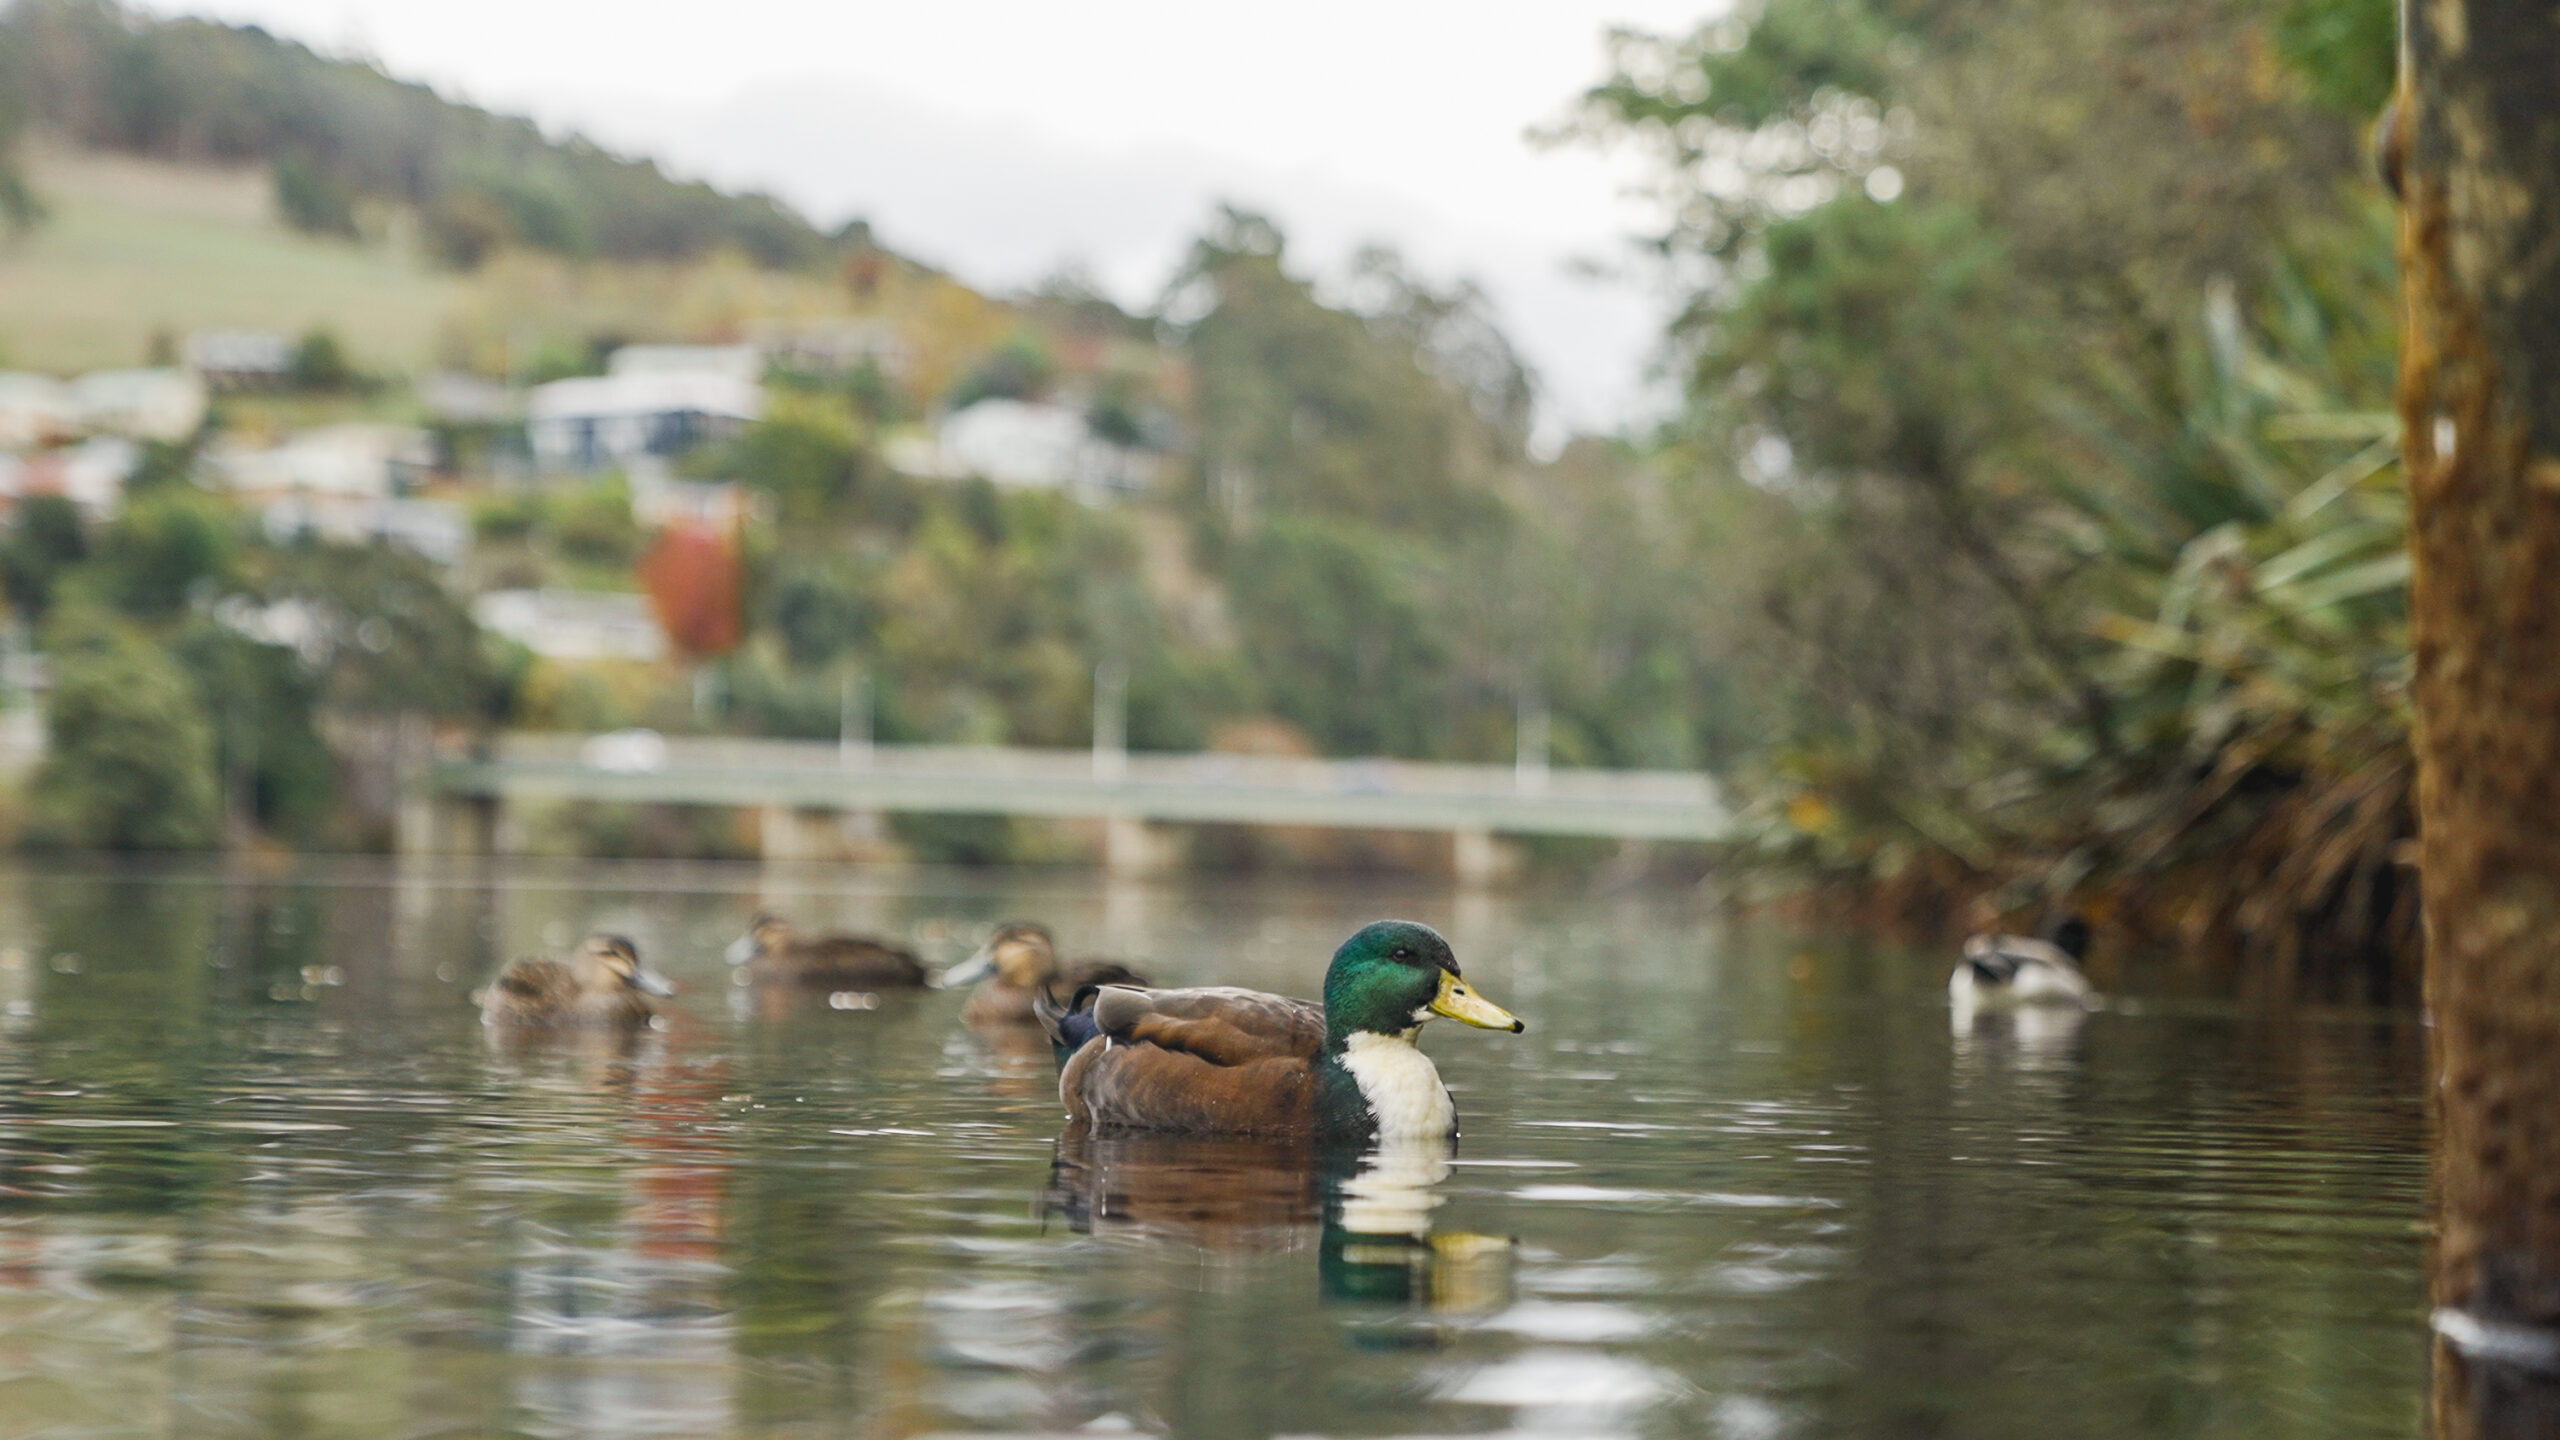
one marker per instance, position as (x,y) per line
(2027,531)
(2043,352)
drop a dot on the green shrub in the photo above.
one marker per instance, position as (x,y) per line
(1016,370)
(310,200)
(320,363)
(506,517)
(45,540)
(131,763)
(594,523)
(262,704)
(160,552)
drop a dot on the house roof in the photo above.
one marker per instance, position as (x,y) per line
(600,397)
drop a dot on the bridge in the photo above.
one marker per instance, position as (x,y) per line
(818,799)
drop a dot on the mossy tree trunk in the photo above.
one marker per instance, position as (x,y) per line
(2477,156)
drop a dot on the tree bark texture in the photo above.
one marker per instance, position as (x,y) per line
(2479,159)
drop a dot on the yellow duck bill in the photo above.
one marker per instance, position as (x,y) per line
(1459,1001)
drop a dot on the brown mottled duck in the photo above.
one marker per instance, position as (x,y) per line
(1018,962)
(602,985)
(772,953)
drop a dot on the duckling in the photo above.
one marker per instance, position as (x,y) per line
(603,984)
(772,953)
(1019,962)
(2004,970)
(1240,1062)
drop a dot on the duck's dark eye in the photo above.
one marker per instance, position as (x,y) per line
(1403,954)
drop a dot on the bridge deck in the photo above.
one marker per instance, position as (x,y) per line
(1211,789)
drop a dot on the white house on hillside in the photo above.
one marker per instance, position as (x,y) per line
(595,422)
(90,474)
(573,624)
(136,404)
(837,347)
(239,359)
(435,529)
(1032,445)
(140,404)
(34,410)
(361,460)
(345,482)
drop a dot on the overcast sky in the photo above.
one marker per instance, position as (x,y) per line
(1007,138)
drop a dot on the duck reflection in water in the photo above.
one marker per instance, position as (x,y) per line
(1367,1212)
(2032,1037)
(1221,1195)
(626,1279)
(634,1290)
(1379,1243)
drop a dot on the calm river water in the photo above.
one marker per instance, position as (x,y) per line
(261,1174)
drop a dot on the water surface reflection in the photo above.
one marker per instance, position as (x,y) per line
(262,1173)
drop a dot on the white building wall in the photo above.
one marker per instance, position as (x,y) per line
(593,422)
(1037,446)
(140,404)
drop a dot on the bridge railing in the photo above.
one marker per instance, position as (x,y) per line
(1202,769)
(787,779)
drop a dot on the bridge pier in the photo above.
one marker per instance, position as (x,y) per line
(1132,849)
(1479,860)
(796,835)
(431,824)
(790,835)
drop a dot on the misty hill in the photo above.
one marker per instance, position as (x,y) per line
(339,137)
(161,177)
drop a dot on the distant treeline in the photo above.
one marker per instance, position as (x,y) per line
(339,133)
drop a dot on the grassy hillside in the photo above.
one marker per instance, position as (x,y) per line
(181,174)
(339,136)
(132,247)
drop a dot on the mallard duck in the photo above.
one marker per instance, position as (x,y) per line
(1018,962)
(2000,970)
(1226,1061)
(772,953)
(602,985)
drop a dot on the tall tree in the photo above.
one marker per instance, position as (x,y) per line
(2475,137)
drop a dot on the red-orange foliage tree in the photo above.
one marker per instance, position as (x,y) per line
(691,575)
